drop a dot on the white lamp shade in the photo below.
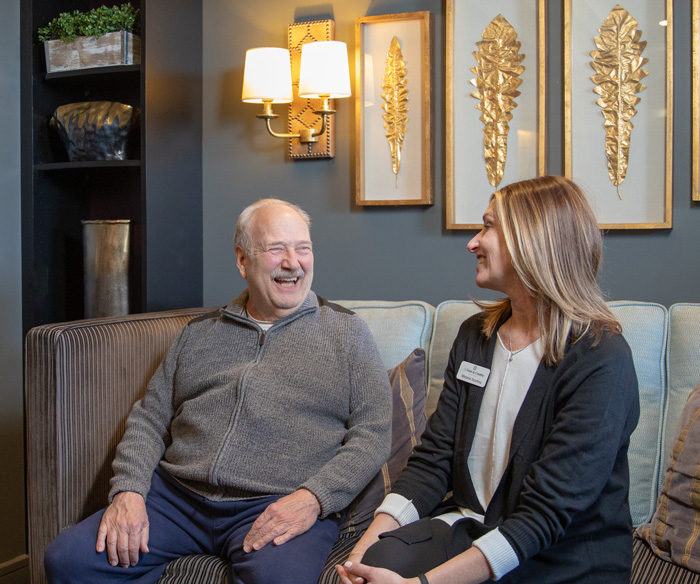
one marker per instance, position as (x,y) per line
(267,75)
(324,70)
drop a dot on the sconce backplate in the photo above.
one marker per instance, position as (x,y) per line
(301,110)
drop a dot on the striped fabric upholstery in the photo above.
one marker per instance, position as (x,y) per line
(81,382)
(199,569)
(212,570)
(646,567)
(82,379)
(340,552)
(649,569)
(674,530)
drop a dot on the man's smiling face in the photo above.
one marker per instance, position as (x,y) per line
(279,271)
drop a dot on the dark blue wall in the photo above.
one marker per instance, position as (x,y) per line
(371,253)
(13,549)
(399,253)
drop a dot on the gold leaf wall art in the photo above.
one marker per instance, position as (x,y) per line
(497,73)
(617,62)
(395,107)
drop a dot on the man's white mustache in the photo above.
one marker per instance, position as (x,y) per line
(282,274)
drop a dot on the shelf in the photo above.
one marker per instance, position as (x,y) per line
(159,185)
(88,164)
(109,70)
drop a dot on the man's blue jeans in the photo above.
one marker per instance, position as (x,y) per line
(184,523)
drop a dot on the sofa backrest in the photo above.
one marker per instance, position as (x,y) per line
(398,327)
(683,360)
(449,315)
(644,326)
(665,347)
(82,379)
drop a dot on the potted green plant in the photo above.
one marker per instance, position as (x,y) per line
(97,38)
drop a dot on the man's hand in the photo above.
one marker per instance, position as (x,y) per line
(123,530)
(283,520)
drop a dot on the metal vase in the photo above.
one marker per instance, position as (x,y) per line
(106,264)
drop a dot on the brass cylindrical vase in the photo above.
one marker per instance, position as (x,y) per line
(106,246)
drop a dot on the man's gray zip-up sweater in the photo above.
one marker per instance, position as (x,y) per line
(234,412)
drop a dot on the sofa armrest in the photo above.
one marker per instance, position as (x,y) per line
(81,380)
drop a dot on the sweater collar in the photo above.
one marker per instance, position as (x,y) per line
(236,308)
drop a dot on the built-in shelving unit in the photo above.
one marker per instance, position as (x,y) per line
(161,181)
(112,70)
(87,164)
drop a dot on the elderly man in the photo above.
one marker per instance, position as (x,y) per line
(265,419)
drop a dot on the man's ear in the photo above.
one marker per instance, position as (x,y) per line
(240,261)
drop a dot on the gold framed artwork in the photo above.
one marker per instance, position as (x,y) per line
(695,181)
(618,109)
(393,101)
(495,101)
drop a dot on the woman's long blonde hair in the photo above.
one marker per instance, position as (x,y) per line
(556,249)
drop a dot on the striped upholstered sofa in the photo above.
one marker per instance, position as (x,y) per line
(82,378)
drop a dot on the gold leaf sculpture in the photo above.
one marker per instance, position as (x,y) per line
(618,69)
(497,73)
(395,107)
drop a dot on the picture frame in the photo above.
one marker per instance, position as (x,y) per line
(394,164)
(643,176)
(695,55)
(468,187)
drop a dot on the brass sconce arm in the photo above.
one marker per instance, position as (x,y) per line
(305,135)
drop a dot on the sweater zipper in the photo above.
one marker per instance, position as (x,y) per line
(233,420)
(213,472)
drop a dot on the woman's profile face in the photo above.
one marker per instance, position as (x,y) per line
(494,269)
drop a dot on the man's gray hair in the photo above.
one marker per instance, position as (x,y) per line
(241,237)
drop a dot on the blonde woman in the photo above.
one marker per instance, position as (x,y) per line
(522,471)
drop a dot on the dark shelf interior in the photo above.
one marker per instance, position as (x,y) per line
(158,185)
(58,193)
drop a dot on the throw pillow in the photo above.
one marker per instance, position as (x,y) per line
(408,422)
(674,528)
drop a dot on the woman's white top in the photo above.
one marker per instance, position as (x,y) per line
(508,384)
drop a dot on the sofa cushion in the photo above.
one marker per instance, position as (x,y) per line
(674,531)
(644,326)
(683,363)
(201,569)
(204,569)
(408,422)
(397,327)
(647,568)
(339,555)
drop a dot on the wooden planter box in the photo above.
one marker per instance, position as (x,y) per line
(113,48)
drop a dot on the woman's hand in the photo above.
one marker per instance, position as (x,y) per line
(381,524)
(357,573)
(469,567)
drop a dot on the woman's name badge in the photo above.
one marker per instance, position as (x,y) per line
(473,374)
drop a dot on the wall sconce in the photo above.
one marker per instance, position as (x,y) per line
(324,75)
